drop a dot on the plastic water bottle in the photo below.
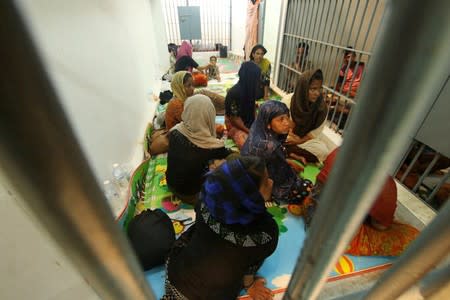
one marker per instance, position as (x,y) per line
(120,175)
(113,195)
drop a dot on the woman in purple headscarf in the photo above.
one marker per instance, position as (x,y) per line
(267,136)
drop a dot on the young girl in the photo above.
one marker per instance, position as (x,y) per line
(265,140)
(182,87)
(308,111)
(257,56)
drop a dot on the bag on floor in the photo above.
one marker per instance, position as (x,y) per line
(151,235)
(159,142)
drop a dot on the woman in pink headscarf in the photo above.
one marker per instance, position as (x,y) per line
(184,59)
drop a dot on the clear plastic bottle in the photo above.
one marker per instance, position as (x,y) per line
(120,175)
(113,195)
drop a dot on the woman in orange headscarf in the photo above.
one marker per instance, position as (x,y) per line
(379,235)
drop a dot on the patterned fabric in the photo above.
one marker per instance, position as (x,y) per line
(306,115)
(264,143)
(369,240)
(237,238)
(390,242)
(212,72)
(231,195)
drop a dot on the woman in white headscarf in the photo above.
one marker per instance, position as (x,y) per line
(192,145)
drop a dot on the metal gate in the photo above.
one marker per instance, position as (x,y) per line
(319,34)
(215,19)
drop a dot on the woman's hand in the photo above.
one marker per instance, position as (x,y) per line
(293,139)
(259,291)
(298,157)
(297,168)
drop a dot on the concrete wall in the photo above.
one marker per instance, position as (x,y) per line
(238,21)
(104,58)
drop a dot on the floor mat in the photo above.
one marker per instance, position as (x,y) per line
(150,191)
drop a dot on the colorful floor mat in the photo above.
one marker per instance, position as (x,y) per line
(150,190)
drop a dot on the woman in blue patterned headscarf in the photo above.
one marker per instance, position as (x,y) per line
(232,236)
(265,140)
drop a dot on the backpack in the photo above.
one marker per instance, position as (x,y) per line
(151,235)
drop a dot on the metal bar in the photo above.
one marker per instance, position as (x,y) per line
(435,281)
(413,162)
(374,142)
(46,165)
(280,41)
(318,22)
(422,255)
(229,27)
(411,146)
(437,187)
(427,171)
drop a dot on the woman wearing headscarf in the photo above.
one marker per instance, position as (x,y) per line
(240,103)
(266,138)
(182,87)
(257,56)
(232,236)
(184,59)
(380,234)
(308,111)
(192,144)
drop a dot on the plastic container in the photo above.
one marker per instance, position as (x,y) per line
(120,175)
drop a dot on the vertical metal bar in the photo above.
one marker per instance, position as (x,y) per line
(435,281)
(330,62)
(326,34)
(422,255)
(317,24)
(413,162)
(427,171)
(373,142)
(280,41)
(411,146)
(230,37)
(437,187)
(46,165)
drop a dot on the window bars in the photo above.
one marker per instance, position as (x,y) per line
(326,30)
(215,20)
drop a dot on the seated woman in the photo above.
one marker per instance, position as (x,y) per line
(233,234)
(192,144)
(379,235)
(266,138)
(182,88)
(257,56)
(184,59)
(240,103)
(308,111)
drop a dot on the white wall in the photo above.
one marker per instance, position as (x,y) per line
(271,24)
(103,58)
(238,21)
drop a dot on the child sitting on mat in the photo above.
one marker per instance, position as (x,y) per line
(212,70)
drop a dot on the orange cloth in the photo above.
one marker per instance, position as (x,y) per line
(199,79)
(173,112)
(327,165)
(390,242)
(368,240)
